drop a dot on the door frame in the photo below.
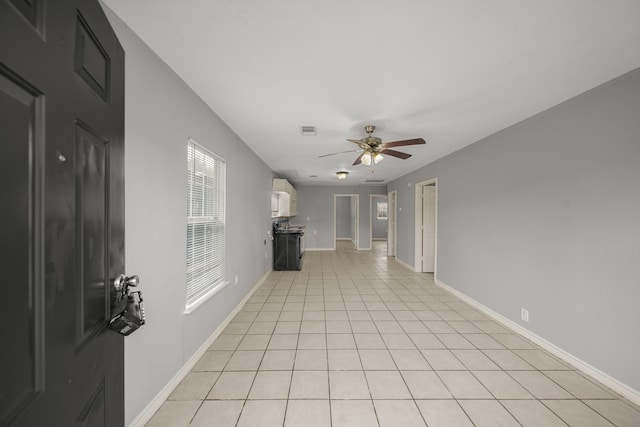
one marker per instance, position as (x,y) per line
(357,197)
(371,209)
(392,206)
(417,266)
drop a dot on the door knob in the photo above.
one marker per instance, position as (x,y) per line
(122,280)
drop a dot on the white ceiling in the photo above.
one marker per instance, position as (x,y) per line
(449,71)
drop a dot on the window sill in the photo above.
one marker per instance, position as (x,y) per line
(197,303)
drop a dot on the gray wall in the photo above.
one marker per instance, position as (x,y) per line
(545,215)
(344,229)
(316,203)
(161,114)
(378,226)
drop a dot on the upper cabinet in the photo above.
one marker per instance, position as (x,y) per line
(284,199)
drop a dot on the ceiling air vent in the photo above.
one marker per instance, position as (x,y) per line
(309,130)
(375,180)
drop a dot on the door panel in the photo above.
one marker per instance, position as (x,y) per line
(31,10)
(91,60)
(92,154)
(95,412)
(21,369)
(62,156)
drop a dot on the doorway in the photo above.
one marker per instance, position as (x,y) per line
(426,229)
(346,220)
(392,229)
(379,220)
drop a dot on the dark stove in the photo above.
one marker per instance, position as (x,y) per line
(287,248)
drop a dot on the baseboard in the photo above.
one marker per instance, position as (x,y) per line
(344,238)
(319,249)
(404,264)
(380,239)
(615,385)
(162,396)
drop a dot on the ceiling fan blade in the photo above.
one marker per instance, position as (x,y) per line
(395,153)
(416,141)
(339,152)
(359,159)
(356,141)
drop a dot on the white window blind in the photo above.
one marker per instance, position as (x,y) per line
(381,210)
(205,224)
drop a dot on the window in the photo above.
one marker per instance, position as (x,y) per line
(205,224)
(381,209)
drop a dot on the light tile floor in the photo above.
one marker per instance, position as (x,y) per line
(355,339)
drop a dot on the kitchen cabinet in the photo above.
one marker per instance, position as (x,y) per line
(284,199)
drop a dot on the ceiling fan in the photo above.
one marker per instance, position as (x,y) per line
(373,148)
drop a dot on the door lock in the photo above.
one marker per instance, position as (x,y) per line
(127,314)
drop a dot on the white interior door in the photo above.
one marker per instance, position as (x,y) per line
(428,228)
(357,222)
(391,225)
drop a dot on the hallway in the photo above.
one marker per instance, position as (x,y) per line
(356,339)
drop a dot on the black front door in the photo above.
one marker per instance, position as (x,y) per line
(62,214)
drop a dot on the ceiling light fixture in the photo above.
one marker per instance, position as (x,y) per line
(342,175)
(371,156)
(366,158)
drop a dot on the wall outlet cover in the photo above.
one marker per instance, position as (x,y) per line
(524,314)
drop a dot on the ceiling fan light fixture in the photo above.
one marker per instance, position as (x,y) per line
(342,175)
(366,158)
(377,158)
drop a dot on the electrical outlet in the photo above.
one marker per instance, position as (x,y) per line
(237,280)
(265,254)
(524,314)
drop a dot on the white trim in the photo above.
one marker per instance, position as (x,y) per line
(404,264)
(345,238)
(614,384)
(379,238)
(145,415)
(319,249)
(418,222)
